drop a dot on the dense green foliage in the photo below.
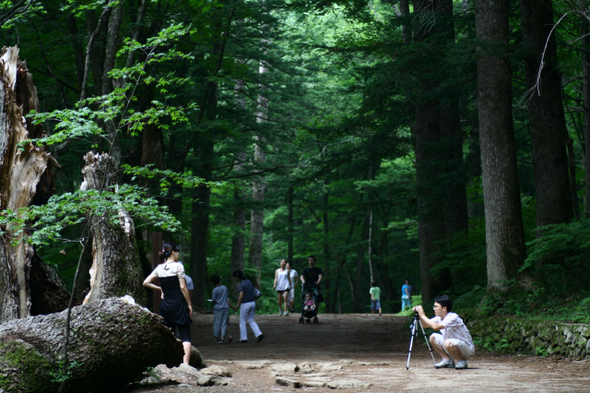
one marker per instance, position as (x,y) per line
(342,83)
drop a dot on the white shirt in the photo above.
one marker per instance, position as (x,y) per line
(454,328)
(293,275)
(169,269)
(282,280)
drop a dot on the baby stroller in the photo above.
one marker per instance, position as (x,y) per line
(309,313)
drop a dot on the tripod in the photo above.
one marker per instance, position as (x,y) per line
(414,328)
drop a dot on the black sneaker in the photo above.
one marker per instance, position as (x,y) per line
(260,338)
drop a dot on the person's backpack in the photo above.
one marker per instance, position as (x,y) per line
(257,294)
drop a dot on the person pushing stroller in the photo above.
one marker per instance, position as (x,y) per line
(312,275)
(311,279)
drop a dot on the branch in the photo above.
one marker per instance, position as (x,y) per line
(18,8)
(537,85)
(90,42)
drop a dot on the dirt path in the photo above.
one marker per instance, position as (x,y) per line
(364,353)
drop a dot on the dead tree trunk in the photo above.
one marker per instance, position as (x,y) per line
(24,179)
(115,342)
(116,267)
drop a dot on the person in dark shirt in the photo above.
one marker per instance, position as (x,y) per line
(312,275)
(247,306)
(176,306)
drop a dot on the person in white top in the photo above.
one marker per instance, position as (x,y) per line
(294,279)
(454,341)
(282,286)
(176,306)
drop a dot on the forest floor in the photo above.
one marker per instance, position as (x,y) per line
(363,353)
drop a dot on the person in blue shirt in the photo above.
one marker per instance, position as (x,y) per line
(247,305)
(406,295)
(189,283)
(221,303)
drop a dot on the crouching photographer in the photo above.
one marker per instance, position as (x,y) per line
(453,342)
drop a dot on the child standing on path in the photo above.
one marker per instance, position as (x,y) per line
(220,299)
(375,292)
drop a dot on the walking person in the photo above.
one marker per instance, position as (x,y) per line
(247,306)
(375,292)
(282,286)
(406,295)
(176,306)
(293,280)
(221,304)
(311,278)
(312,275)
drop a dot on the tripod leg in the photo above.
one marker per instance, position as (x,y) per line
(414,334)
(427,343)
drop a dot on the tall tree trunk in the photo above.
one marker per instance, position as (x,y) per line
(326,280)
(585,41)
(546,115)
(258,187)
(336,301)
(370,248)
(238,246)
(434,124)
(199,240)
(257,222)
(404,12)
(456,219)
(77,48)
(430,209)
(290,224)
(152,153)
(206,154)
(24,179)
(116,266)
(503,216)
(201,200)
(452,138)
(114,26)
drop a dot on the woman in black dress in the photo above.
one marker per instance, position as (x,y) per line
(176,307)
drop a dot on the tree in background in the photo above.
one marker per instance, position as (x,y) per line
(504,227)
(370,113)
(546,114)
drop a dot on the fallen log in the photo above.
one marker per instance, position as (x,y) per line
(112,343)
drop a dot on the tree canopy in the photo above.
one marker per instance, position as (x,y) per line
(443,142)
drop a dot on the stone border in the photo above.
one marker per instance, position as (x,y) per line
(533,337)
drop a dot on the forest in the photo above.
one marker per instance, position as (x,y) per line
(440,141)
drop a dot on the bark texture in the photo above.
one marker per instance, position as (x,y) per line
(585,42)
(504,227)
(238,245)
(257,216)
(116,267)
(24,179)
(258,185)
(442,207)
(113,344)
(546,115)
